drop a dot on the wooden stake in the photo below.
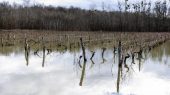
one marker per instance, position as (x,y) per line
(84,65)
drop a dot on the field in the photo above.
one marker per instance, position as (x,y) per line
(70,40)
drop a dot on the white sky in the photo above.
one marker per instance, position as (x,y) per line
(109,4)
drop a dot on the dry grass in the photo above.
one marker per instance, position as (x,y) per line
(70,40)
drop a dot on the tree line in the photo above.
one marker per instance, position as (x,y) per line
(140,16)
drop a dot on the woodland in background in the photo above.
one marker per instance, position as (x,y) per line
(141,16)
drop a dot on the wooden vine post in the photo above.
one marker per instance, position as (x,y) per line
(84,64)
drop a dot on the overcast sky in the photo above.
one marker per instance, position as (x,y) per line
(97,4)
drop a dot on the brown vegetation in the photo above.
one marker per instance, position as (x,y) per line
(70,40)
